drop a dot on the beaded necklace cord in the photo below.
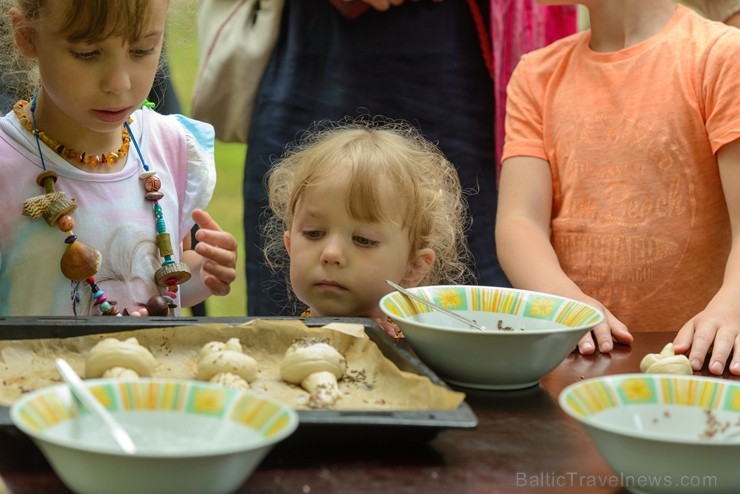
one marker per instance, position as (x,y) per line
(81,262)
(62,150)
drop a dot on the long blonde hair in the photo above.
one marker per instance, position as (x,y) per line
(378,153)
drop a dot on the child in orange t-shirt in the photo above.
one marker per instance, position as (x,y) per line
(620,183)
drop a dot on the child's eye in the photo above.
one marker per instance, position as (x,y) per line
(85,55)
(142,53)
(313,234)
(365,242)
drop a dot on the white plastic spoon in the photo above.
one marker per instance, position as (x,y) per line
(115,429)
(434,306)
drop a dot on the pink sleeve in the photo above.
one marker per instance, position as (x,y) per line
(518,27)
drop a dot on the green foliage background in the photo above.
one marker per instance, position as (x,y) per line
(226,206)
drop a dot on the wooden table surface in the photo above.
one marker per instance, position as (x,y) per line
(524,443)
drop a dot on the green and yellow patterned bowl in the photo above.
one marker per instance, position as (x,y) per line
(662,433)
(191,436)
(528,335)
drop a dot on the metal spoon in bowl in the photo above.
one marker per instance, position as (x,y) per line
(115,429)
(434,306)
(729,437)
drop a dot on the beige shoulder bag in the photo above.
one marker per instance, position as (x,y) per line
(236,38)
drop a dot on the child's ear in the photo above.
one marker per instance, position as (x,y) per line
(418,267)
(286,241)
(24,35)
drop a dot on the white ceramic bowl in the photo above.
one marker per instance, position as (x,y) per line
(662,433)
(528,335)
(192,437)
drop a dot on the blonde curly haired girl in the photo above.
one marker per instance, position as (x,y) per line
(358,202)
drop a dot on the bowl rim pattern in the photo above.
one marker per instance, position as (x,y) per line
(572,314)
(585,399)
(271,419)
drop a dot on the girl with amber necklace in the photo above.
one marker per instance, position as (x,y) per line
(98,194)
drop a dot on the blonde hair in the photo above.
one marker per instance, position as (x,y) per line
(377,153)
(83,21)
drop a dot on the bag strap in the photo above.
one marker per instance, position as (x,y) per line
(483,37)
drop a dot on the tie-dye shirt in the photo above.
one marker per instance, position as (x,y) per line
(112,215)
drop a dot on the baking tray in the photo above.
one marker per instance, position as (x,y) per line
(315,425)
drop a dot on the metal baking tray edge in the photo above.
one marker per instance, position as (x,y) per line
(371,425)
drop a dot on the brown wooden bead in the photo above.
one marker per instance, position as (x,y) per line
(154,196)
(66,223)
(61,206)
(152,184)
(46,180)
(178,271)
(157,306)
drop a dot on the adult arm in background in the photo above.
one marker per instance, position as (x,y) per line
(717,327)
(526,253)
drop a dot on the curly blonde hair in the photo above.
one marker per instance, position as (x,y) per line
(378,153)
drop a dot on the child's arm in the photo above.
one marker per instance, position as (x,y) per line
(212,262)
(719,323)
(524,248)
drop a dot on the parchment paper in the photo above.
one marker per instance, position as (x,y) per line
(372,382)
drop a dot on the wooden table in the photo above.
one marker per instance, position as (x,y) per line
(523,443)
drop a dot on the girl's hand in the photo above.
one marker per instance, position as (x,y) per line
(389,327)
(716,328)
(218,250)
(606,333)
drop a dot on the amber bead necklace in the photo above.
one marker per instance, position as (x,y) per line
(80,262)
(69,153)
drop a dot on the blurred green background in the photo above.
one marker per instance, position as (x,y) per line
(226,206)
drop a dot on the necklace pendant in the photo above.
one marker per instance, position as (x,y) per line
(52,205)
(157,305)
(80,261)
(173,273)
(58,208)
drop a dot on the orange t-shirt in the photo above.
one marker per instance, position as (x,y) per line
(639,219)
